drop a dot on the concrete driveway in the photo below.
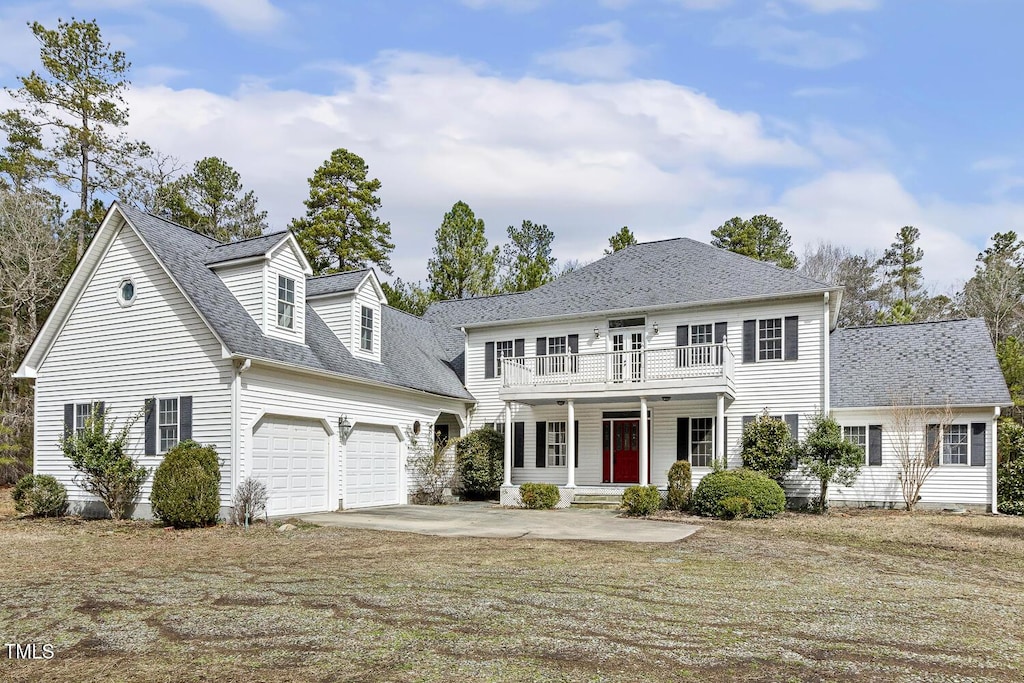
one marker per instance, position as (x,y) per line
(486,520)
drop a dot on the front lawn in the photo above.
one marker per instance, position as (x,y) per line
(880,596)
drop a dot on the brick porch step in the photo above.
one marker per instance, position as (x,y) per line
(597,501)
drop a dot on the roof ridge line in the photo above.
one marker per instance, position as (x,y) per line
(914,322)
(344,272)
(247,239)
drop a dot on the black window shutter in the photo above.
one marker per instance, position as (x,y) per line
(874,445)
(720,331)
(518,444)
(69,419)
(682,335)
(150,426)
(185,408)
(574,343)
(519,348)
(542,346)
(576,442)
(749,341)
(99,409)
(488,360)
(977,444)
(792,332)
(793,422)
(541,457)
(683,438)
(931,443)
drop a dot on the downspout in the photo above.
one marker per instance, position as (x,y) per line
(826,366)
(236,419)
(995,461)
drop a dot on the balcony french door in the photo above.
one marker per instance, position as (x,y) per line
(627,356)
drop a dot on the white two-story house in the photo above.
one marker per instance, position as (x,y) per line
(600,380)
(665,350)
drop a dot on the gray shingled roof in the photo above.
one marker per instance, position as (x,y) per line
(927,364)
(338,283)
(233,251)
(412,354)
(646,275)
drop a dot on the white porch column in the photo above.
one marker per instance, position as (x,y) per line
(720,431)
(644,457)
(570,442)
(508,444)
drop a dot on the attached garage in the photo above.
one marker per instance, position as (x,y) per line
(373,467)
(291,455)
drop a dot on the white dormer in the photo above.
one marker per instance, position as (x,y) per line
(350,305)
(268,277)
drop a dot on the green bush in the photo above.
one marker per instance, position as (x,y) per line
(186,486)
(479,456)
(103,465)
(640,501)
(40,496)
(539,496)
(1011,487)
(737,507)
(1011,440)
(765,495)
(680,486)
(768,447)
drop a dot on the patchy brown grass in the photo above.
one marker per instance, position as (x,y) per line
(881,596)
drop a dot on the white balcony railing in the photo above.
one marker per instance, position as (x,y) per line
(680,362)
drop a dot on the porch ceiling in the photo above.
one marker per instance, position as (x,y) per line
(620,398)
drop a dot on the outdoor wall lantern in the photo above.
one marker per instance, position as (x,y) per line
(344,427)
(561,403)
(666,398)
(655,327)
(597,333)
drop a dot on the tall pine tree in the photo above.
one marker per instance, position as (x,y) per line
(620,240)
(212,201)
(527,257)
(901,276)
(762,238)
(463,264)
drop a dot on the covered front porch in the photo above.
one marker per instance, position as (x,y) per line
(594,447)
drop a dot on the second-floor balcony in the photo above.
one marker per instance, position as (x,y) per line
(680,370)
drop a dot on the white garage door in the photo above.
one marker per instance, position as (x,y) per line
(372,468)
(290,456)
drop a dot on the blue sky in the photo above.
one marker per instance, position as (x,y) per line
(846,119)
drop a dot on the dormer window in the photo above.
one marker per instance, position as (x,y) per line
(366,329)
(285,302)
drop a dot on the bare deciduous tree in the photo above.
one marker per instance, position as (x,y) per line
(917,454)
(431,466)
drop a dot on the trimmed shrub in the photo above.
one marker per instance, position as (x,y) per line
(737,507)
(640,501)
(40,496)
(479,457)
(768,447)
(765,495)
(680,486)
(1011,487)
(539,496)
(186,486)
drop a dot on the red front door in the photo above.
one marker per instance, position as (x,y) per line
(622,451)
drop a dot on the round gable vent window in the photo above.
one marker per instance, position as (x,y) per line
(126,292)
(416,427)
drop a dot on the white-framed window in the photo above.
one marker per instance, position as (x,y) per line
(285,302)
(557,346)
(556,444)
(366,329)
(955,445)
(126,292)
(702,334)
(168,423)
(502,349)
(702,446)
(769,339)
(499,425)
(83,411)
(857,435)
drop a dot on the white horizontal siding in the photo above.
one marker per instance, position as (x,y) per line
(962,484)
(246,283)
(157,347)
(277,392)
(336,312)
(366,295)
(284,262)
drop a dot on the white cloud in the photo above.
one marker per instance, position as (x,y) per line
(990,164)
(775,41)
(828,6)
(598,51)
(247,16)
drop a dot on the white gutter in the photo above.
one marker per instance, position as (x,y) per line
(995,461)
(236,419)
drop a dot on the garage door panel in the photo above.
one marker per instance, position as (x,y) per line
(372,468)
(291,456)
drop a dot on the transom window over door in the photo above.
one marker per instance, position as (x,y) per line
(556,444)
(954,445)
(769,339)
(167,423)
(285,302)
(366,329)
